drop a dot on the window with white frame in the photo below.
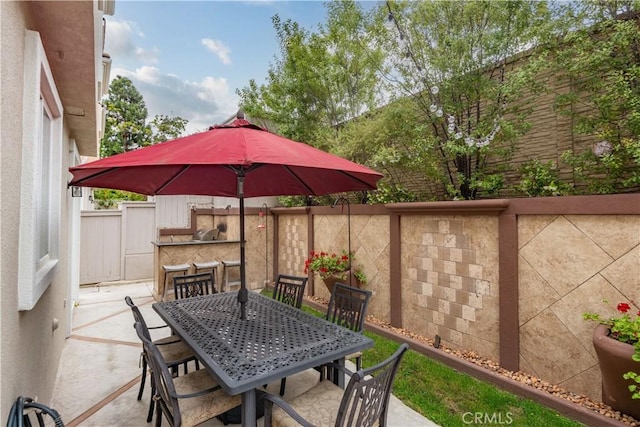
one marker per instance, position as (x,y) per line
(41,176)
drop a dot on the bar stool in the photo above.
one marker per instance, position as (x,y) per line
(227,264)
(173,269)
(208,265)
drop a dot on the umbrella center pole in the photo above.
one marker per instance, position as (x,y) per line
(243,293)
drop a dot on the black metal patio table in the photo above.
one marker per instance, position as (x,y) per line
(275,341)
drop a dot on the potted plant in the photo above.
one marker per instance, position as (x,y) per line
(616,341)
(333,268)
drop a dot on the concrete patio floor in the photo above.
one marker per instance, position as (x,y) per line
(99,374)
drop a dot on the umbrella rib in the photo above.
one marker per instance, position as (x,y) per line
(358,179)
(310,190)
(173,178)
(80,182)
(304,184)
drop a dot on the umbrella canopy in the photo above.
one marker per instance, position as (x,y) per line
(209,163)
(237,160)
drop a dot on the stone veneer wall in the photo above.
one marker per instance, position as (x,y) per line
(450,280)
(258,247)
(293,238)
(569,264)
(508,279)
(370,245)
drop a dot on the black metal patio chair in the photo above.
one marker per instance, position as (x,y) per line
(348,307)
(187,400)
(173,350)
(363,403)
(289,290)
(191,285)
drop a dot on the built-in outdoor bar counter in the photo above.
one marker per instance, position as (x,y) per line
(179,246)
(188,252)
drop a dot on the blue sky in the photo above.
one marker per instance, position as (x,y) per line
(187,58)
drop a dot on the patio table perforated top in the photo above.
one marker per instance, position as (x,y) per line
(275,340)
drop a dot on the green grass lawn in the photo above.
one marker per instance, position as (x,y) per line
(451,398)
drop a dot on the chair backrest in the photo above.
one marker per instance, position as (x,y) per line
(348,306)
(290,289)
(137,316)
(192,285)
(366,399)
(163,380)
(23,407)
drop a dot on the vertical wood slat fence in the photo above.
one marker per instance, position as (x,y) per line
(116,244)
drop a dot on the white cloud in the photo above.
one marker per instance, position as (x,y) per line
(203,103)
(221,50)
(212,87)
(148,56)
(147,74)
(120,41)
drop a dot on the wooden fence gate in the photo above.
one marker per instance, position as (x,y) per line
(117,244)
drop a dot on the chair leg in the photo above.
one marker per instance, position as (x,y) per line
(158,415)
(150,414)
(144,378)
(358,363)
(268,408)
(152,402)
(283,384)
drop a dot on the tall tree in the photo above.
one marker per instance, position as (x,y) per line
(126,126)
(455,60)
(321,79)
(126,129)
(125,121)
(165,128)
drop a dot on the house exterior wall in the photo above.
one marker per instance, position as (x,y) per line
(30,348)
(32,338)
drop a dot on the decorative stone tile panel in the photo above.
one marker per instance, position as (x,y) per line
(569,265)
(370,239)
(615,234)
(564,256)
(293,230)
(455,279)
(544,339)
(625,273)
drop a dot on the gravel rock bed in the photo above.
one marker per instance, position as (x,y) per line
(519,376)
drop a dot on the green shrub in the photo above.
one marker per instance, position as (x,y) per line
(391,193)
(109,199)
(541,179)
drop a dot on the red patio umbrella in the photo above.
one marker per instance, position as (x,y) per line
(237,160)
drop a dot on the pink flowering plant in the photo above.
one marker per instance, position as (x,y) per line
(624,327)
(328,264)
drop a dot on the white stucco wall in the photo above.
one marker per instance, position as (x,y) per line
(30,348)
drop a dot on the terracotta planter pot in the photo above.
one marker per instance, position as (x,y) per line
(348,279)
(615,360)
